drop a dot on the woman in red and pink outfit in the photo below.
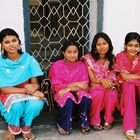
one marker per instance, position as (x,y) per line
(100,63)
(128,68)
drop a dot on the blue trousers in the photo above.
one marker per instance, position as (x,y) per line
(66,114)
(22,113)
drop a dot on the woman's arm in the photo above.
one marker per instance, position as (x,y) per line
(92,78)
(29,88)
(108,84)
(82,85)
(73,87)
(129,76)
(32,86)
(12,90)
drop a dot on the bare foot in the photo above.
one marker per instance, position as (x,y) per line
(9,136)
(28,136)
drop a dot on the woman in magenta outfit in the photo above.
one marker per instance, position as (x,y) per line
(69,79)
(100,63)
(128,68)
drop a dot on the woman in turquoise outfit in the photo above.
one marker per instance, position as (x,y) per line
(20,98)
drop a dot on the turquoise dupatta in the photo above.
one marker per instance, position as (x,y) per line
(13,73)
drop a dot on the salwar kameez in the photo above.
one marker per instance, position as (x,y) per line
(19,110)
(129,89)
(22,113)
(100,97)
(61,75)
(66,114)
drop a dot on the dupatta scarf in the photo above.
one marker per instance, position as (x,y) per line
(13,73)
(17,73)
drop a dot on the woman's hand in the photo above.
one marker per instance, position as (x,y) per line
(63,91)
(128,76)
(38,94)
(74,84)
(108,84)
(77,85)
(29,89)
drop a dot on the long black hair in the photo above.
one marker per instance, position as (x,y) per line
(109,55)
(8,32)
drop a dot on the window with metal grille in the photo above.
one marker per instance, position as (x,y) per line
(54,21)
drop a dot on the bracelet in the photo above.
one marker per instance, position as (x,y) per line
(77,87)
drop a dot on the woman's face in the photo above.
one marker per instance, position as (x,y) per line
(71,54)
(102,46)
(10,44)
(132,48)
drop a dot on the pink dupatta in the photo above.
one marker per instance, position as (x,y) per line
(62,74)
(99,68)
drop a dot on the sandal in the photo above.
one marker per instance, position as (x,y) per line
(14,129)
(85,130)
(130,135)
(61,131)
(28,136)
(97,127)
(25,129)
(9,136)
(107,126)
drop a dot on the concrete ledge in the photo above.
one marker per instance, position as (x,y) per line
(44,128)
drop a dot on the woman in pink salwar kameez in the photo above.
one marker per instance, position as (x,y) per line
(69,80)
(99,63)
(128,68)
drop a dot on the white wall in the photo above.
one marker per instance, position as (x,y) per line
(121,17)
(11,16)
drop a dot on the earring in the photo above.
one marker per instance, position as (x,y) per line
(19,49)
(2,51)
